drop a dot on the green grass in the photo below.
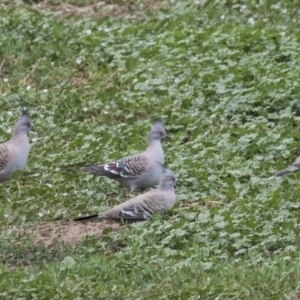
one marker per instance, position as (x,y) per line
(224,78)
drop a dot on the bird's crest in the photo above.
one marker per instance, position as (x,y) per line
(157,121)
(24,111)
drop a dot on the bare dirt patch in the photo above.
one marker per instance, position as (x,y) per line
(68,232)
(103,8)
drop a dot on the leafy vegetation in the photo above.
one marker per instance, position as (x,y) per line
(223,76)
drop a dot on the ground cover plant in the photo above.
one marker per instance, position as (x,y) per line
(223,77)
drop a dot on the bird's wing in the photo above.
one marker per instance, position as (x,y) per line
(4,154)
(128,167)
(139,208)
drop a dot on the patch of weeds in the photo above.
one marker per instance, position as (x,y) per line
(223,78)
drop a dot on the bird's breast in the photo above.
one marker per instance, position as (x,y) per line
(21,154)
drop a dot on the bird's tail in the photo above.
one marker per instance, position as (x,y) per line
(70,169)
(283,172)
(286,171)
(94,169)
(87,218)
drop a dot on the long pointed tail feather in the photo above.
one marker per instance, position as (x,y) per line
(283,172)
(87,218)
(94,169)
(286,171)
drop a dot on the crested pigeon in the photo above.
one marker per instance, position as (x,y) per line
(294,167)
(143,206)
(139,171)
(14,152)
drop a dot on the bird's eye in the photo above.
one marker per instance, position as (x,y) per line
(160,132)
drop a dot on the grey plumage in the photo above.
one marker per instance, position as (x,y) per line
(14,152)
(293,168)
(139,171)
(143,206)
